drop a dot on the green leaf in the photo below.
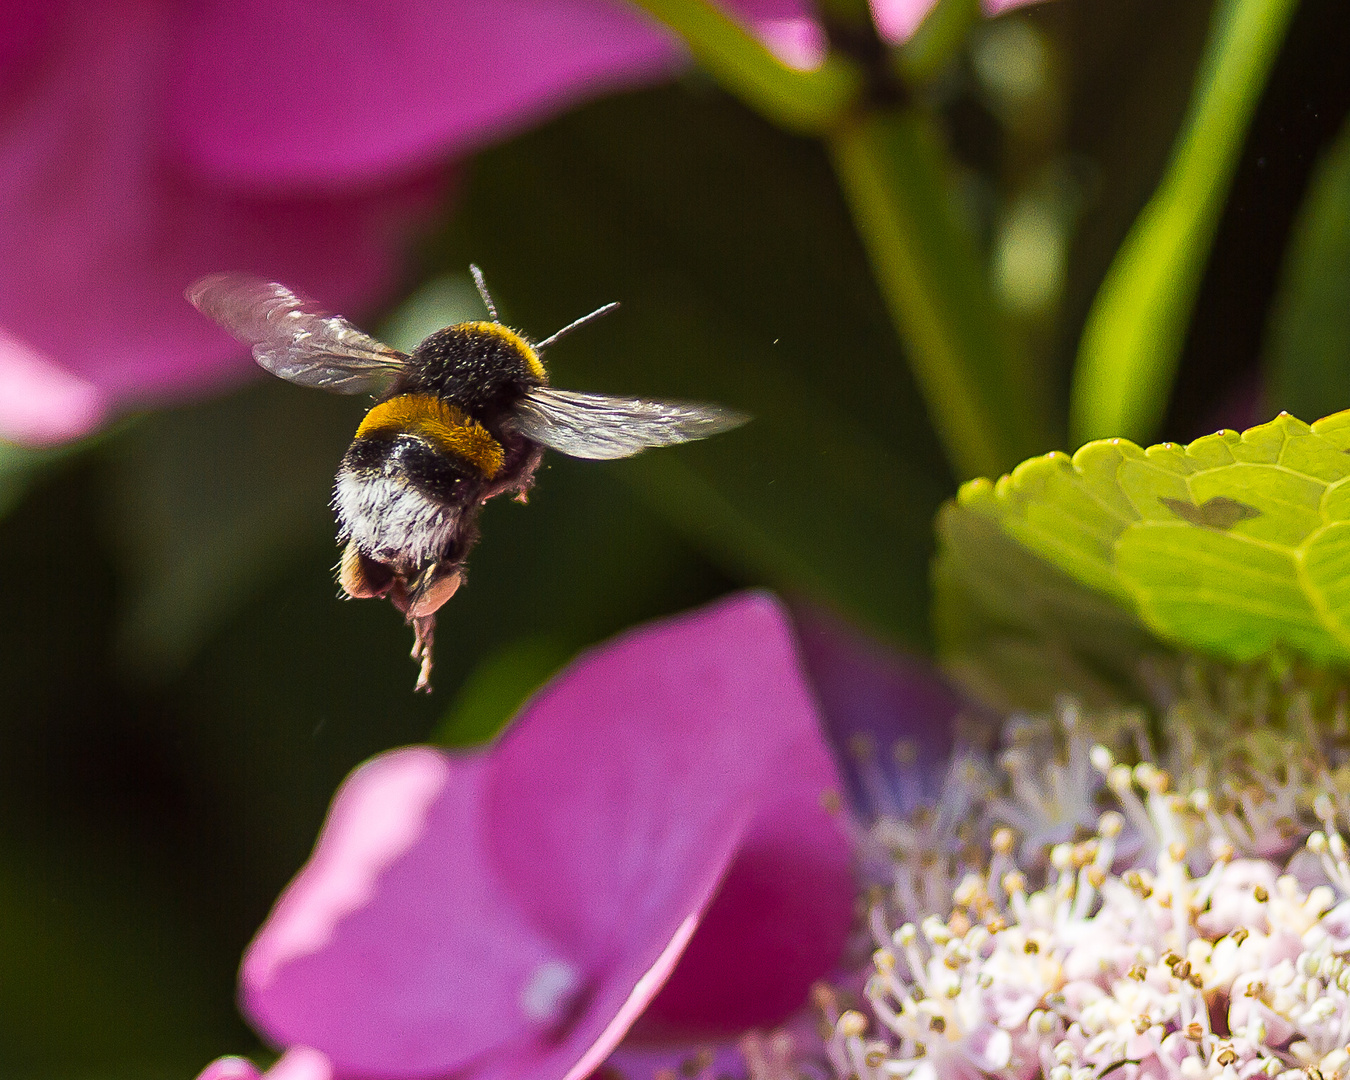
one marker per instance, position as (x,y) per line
(1235,545)
(1308,345)
(1135,331)
(1019,633)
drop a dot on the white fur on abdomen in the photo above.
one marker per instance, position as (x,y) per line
(391,520)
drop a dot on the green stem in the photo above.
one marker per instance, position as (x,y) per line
(810,102)
(891,170)
(1135,332)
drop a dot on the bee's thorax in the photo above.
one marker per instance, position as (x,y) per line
(482,367)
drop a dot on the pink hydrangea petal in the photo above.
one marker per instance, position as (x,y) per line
(397,951)
(997,7)
(41,403)
(799,42)
(102,233)
(301,1063)
(28,26)
(512,912)
(370,90)
(872,692)
(780,918)
(666,737)
(655,1061)
(898,19)
(230,1068)
(687,741)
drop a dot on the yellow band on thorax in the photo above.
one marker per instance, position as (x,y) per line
(532,360)
(446,427)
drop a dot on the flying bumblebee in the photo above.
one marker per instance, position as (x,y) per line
(465,416)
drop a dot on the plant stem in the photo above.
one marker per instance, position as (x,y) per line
(891,170)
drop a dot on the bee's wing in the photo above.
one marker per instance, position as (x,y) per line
(294,340)
(599,426)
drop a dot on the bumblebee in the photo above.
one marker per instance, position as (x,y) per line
(465,416)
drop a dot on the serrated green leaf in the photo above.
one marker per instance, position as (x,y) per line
(1308,345)
(1020,633)
(1236,545)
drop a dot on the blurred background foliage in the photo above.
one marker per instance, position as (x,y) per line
(184,689)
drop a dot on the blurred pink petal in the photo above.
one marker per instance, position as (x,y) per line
(876,700)
(370,90)
(380,90)
(103,228)
(300,1063)
(799,42)
(41,403)
(515,910)
(230,1068)
(898,19)
(997,7)
(143,145)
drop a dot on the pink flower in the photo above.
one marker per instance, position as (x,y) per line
(143,144)
(898,19)
(647,840)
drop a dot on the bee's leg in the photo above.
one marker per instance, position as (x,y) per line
(526,481)
(361,577)
(427,591)
(424,633)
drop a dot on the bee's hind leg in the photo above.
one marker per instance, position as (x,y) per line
(424,633)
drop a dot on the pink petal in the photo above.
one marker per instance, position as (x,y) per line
(294,92)
(230,1068)
(370,91)
(997,7)
(685,742)
(513,911)
(41,403)
(898,19)
(301,1063)
(885,698)
(397,950)
(798,42)
(102,231)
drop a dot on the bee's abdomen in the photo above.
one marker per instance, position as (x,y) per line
(437,424)
(482,367)
(403,500)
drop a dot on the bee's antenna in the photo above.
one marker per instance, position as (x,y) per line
(575,325)
(482,291)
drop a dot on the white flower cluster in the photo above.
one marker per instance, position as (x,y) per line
(1183,934)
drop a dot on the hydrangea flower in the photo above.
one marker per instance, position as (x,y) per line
(143,145)
(1170,923)
(650,839)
